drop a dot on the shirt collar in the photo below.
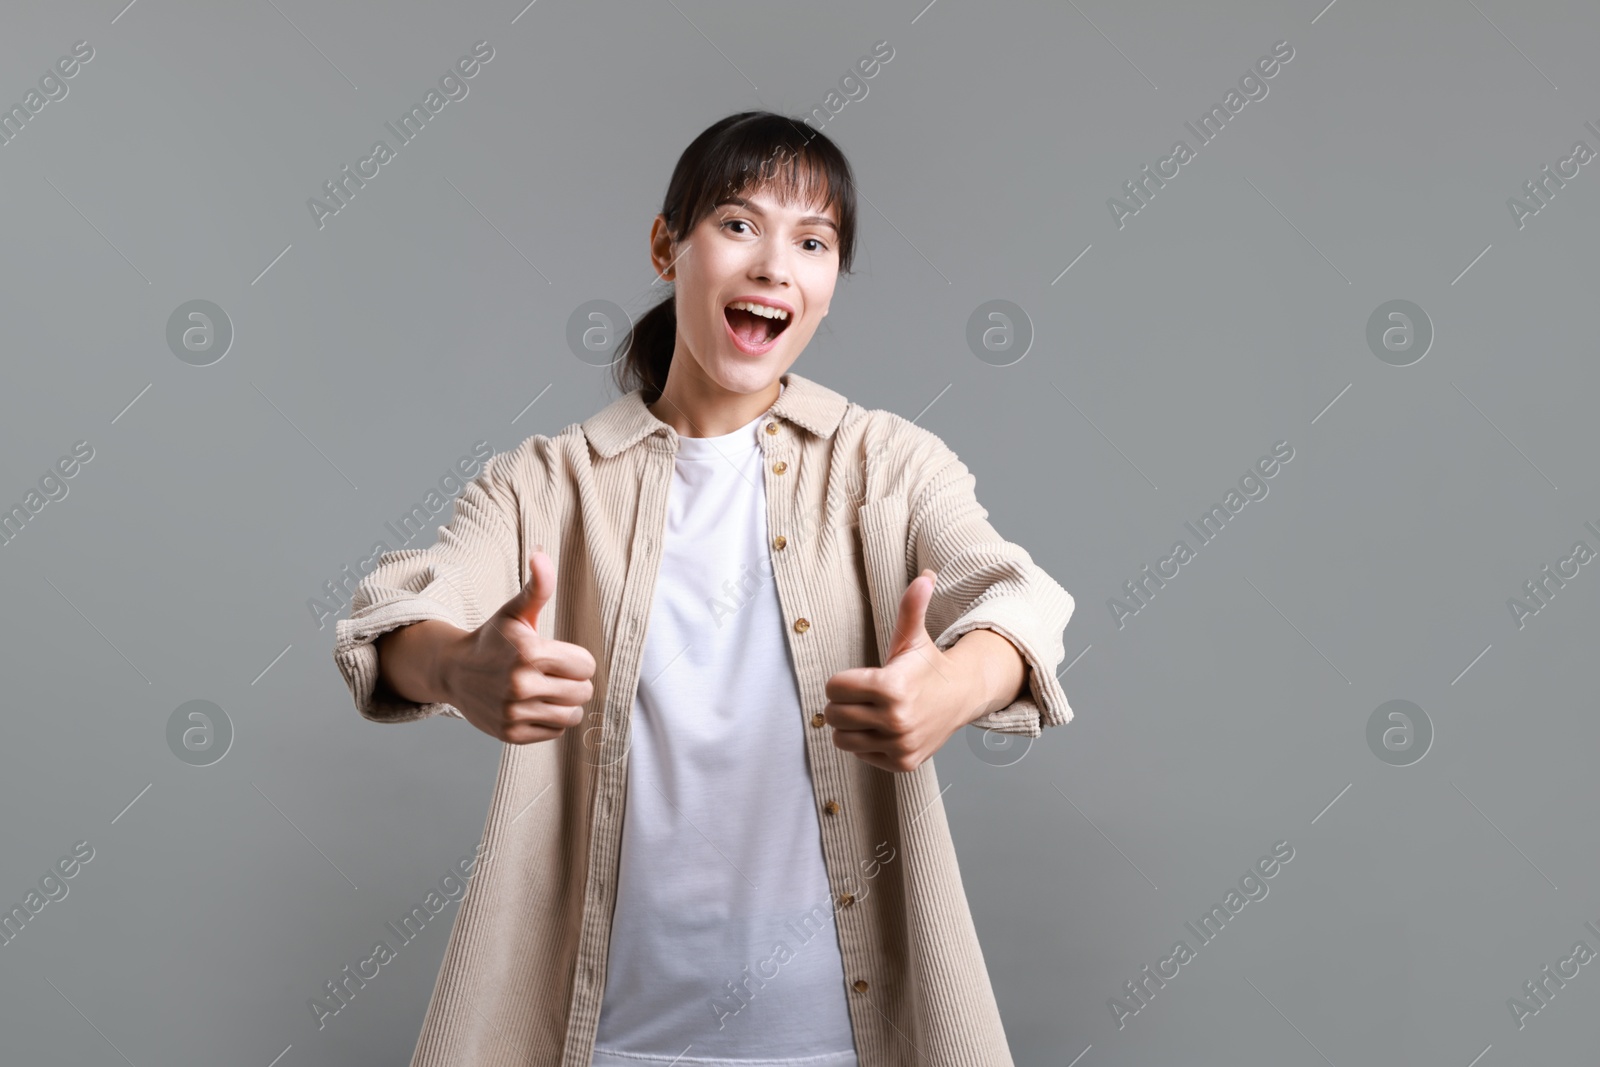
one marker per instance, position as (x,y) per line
(626,421)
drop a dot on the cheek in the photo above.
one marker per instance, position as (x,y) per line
(695,314)
(819,289)
(697,287)
(807,326)
(716,261)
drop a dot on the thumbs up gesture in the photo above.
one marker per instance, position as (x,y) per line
(511,681)
(897,715)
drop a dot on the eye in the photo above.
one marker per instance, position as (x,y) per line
(735,222)
(821,246)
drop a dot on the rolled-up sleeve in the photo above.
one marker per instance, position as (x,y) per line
(987,582)
(463,578)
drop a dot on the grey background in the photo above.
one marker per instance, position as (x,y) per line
(1227,315)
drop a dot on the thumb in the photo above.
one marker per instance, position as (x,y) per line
(532,597)
(910,624)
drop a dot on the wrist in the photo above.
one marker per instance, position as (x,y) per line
(993,673)
(443,655)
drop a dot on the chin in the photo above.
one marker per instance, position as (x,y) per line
(745,376)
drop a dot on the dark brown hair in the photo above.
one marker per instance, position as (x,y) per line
(736,155)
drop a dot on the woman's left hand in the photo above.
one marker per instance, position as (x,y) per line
(896,716)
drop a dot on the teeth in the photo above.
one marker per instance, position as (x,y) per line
(760,309)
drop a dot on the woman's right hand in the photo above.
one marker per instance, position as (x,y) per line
(514,683)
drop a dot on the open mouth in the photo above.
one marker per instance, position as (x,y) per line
(755,326)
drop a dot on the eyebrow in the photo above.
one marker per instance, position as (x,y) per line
(808,220)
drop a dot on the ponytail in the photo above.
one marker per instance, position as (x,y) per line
(645,352)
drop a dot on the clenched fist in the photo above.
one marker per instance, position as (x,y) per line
(512,682)
(896,716)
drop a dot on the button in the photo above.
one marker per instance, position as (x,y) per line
(772,427)
(801,626)
(818,719)
(779,541)
(861,985)
(831,807)
(847,900)
(779,467)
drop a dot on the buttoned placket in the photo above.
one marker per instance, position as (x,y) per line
(782,479)
(605,831)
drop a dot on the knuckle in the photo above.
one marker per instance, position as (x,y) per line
(526,683)
(531,647)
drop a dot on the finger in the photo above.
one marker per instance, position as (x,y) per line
(566,692)
(523,734)
(533,596)
(543,713)
(863,742)
(910,624)
(856,685)
(562,659)
(873,759)
(855,718)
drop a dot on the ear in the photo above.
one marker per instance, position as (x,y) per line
(661,258)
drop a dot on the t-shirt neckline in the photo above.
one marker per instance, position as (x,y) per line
(741,440)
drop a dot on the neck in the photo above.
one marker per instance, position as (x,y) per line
(702,408)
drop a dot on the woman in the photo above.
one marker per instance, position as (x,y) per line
(716,835)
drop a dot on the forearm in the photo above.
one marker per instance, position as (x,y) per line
(411,660)
(993,669)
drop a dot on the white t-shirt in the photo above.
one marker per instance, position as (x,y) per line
(723,948)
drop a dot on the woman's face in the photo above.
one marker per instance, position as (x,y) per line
(750,248)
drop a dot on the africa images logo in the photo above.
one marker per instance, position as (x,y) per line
(454,86)
(1252,86)
(1252,486)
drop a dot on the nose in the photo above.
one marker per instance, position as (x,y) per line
(771,263)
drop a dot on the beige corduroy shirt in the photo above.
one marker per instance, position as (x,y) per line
(858,502)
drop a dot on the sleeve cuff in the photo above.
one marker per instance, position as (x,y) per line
(357,657)
(1043,702)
